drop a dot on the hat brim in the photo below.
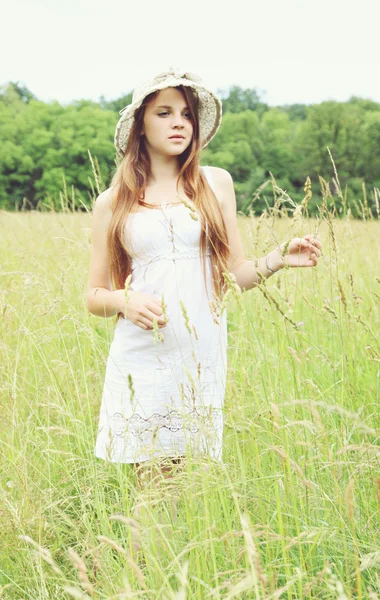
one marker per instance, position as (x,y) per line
(210,113)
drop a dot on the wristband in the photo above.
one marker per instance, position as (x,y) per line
(267,266)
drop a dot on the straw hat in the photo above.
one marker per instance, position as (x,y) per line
(210,106)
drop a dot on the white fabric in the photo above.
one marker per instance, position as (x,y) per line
(175,403)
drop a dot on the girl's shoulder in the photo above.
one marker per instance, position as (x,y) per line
(218,173)
(217,176)
(218,179)
(104,201)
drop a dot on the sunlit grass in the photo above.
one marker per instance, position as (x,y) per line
(294,510)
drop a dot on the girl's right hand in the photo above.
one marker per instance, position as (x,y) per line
(142,309)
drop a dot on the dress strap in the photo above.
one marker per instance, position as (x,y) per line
(208,174)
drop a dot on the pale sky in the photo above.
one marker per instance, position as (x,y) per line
(290,50)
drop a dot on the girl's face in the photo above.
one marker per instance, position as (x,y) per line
(165,116)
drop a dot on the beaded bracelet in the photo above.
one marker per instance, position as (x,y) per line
(267,266)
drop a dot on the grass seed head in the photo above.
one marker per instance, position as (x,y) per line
(185,316)
(157,335)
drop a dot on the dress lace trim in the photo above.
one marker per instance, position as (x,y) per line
(169,256)
(173,421)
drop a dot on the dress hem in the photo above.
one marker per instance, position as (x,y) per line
(155,458)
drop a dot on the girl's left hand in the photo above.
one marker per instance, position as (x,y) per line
(302,252)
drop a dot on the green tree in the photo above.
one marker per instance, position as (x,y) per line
(276,133)
(295,112)
(334,125)
(15,89)
(45,146)
(368,160)
(116,105)
(236,99)
(44,143)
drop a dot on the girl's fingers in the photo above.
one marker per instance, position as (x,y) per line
(314,245)
(156,306)
(151,315)
(145,323)
(313,240)
(297,242)
(149,322)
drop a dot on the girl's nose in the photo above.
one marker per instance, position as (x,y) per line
(178,120)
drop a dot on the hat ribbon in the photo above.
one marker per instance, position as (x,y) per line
(178,75)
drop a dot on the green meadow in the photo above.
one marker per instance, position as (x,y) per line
(293,511)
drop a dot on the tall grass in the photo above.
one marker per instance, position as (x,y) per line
(294,510)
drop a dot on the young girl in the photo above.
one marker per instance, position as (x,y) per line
(163,236)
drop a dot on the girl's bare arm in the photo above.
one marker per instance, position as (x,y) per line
(247,272)
(302,252)
(101,299)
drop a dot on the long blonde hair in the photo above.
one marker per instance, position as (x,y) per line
(128,185)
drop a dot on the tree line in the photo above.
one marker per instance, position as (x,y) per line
(47,148)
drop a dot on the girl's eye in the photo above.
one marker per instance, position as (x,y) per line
(166,113)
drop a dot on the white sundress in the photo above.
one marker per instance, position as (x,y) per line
(165,398)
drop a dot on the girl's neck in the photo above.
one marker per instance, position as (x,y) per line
(164,170)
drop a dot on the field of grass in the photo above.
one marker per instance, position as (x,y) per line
(292,513)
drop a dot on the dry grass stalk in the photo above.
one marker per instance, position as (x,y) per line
(297,220)
(367,209)
(79,564)
(335,585)
(336,180)
(329,407)
(186,317)
(370,560)
(308,195)
(258,228)
(276,414)
(294,354)
(253,555)
(370,448)
(295,466)
(192,208)
(126,291)
(325,212)
(356,298)
(270,298)
(95,173)
(157,335)
(74,592)
(349,500)
(164,307)
(113,544)
(342,294)
(309,535)
(311,585)
(134,566)
(182,576)
(244,585)
(278,593)
(44,553)
(376,193)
